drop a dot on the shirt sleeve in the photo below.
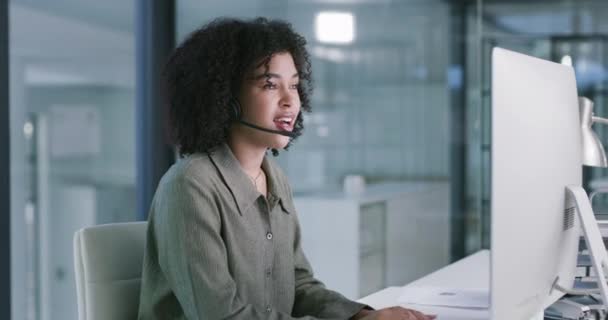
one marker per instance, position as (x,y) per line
(312,297)
(193,258)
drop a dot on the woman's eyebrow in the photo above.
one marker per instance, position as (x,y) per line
(269,75)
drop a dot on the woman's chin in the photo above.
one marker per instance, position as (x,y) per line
(279,143)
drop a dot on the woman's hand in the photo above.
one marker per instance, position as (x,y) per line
(395,313)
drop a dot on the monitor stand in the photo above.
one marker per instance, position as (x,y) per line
(595,244)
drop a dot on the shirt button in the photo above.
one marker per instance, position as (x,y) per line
(269,236)
(268,308)
(268,273)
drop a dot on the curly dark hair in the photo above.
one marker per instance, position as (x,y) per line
(205,72)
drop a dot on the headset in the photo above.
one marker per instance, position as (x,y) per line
(235,106)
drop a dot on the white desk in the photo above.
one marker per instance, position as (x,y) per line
(472,272)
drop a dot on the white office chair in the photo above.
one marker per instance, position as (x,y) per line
(108,263)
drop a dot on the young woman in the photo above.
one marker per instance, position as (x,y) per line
(223,235)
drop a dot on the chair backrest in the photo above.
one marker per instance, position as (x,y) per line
(108,263)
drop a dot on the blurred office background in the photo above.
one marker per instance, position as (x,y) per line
(402,103)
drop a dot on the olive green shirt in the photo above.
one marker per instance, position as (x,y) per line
(217,249)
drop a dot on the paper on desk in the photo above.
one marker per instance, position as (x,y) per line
(446,297)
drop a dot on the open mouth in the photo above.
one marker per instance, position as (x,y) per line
(284,123)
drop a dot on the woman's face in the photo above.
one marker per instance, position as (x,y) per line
(269,98)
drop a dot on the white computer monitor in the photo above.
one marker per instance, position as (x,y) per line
(536,153)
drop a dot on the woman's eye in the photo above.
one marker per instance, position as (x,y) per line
(294,86)
(270,85)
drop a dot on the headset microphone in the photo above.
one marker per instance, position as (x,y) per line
(281,132)
(236,108)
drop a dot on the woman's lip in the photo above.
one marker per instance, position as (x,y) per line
(283,126)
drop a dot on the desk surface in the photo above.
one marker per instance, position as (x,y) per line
(472,272)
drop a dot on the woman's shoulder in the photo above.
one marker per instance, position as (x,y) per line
(196,168)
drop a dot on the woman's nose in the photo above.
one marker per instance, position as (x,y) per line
(290,98)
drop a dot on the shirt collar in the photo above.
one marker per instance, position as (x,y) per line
(240,185)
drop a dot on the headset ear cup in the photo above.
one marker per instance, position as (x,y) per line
(236,109)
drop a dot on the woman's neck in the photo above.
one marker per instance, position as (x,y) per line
(250,157)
